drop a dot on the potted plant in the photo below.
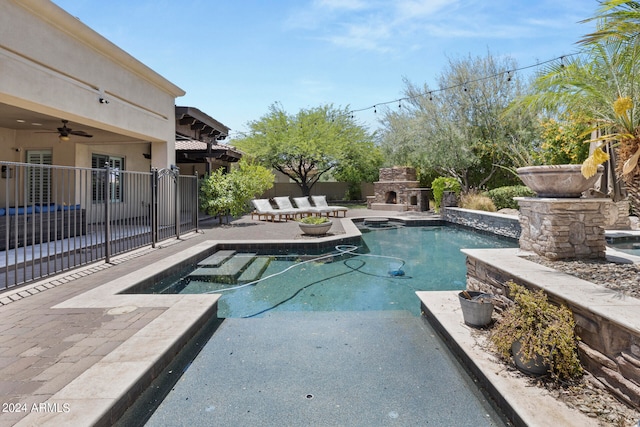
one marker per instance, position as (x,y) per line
(315,225)
(477,308)
(539,335)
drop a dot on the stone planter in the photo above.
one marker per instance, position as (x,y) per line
(315,229)
(557,181)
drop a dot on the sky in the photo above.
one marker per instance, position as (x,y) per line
(236,58)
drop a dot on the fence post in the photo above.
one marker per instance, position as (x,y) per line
(154,207)
(197,199)
(177,199)
(107,212)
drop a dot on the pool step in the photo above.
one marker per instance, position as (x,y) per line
(217,258)
(255,269)
(227,271)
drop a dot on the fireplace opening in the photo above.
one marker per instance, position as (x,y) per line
(390,197)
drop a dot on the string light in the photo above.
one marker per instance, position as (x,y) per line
(509,74)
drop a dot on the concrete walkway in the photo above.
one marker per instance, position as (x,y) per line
(76,352)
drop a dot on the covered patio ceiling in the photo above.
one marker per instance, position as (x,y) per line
(20,119)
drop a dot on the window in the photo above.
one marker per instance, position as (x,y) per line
(116,164)
(38,177)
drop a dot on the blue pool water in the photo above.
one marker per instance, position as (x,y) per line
(381,274)
(630,247)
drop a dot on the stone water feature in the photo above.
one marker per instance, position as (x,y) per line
(559,223)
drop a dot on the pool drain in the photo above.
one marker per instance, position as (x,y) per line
(308,396)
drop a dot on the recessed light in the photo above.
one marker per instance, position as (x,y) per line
(37,124)
(20,121)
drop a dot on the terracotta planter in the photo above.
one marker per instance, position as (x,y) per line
(315,229)
(557,181)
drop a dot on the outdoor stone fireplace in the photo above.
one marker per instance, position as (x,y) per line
(398,190)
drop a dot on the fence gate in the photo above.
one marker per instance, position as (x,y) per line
(174,204)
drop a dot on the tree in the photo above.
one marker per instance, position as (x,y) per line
(311,144)
(590,84)
(461,130)
(222,193)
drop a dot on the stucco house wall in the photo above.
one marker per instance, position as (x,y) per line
(53,64)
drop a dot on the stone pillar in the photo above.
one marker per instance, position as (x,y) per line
(617,215)
(563,228)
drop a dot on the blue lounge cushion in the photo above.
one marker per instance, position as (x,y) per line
(69,207)
(46,208)
(21,210)
(3,211)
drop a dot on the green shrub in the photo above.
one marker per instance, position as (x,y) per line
(442,184)
(502,197)
(478,202)
(224,193)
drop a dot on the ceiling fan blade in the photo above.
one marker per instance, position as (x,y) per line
(80,133)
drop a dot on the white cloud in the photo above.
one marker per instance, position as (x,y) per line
(386,26)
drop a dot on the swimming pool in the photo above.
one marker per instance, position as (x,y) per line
(632,247)
(382,273)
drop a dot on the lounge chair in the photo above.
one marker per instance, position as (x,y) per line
(321,202)
(284,204)
(263,209)
(303,203)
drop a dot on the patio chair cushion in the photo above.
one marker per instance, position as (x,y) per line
(303,203)
(284,205)
(321,201)
(262,205)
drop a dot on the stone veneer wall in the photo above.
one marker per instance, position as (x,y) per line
(500,224)
(563,228)
(608,350)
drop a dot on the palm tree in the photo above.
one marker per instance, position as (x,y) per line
(618,21)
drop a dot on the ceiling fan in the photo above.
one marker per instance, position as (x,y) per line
(64,132)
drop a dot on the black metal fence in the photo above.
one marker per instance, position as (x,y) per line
(55,218)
